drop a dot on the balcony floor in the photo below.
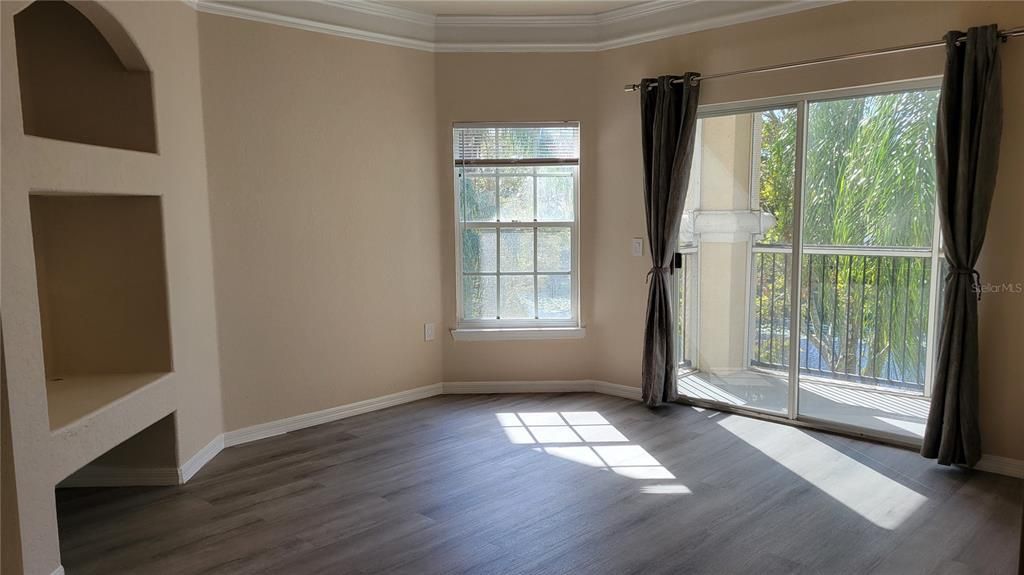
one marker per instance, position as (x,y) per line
(893,414)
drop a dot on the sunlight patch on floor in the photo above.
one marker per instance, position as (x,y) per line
(860,406)
(883,501)
(587,438)
(699,386)
(917,428)
(665,489)
(905,405)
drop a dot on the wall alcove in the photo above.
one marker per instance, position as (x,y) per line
(100,272)
(82,79)
(144,459)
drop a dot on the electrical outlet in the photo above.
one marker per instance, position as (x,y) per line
(638,247)
(428,332)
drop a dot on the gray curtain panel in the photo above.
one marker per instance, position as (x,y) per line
(669,119)
(967,159)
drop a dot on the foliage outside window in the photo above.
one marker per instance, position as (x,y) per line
(516,191)
(868,232)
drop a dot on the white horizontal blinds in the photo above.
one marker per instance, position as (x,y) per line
(536,144)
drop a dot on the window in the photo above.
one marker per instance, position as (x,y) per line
(813,256)
(516,198)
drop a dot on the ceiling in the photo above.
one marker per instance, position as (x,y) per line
(506,25)
(512,7)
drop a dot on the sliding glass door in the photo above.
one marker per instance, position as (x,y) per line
(737,229)
(844,184)
(870,254)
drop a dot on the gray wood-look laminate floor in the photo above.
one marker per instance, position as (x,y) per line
(572,483)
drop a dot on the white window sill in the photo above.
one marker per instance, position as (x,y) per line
(518,333)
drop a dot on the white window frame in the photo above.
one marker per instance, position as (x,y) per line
(801,102)
(692,313)
(509,329)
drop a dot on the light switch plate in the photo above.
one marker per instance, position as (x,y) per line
(428,332)
(638,247)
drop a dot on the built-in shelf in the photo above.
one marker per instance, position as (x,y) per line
(70,399)
(103,306)
(97,419)
(82,79)
(144,459)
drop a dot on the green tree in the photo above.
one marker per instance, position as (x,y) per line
(869,181)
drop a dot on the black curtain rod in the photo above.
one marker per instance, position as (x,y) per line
(1004,34)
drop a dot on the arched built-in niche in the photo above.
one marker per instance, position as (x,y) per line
(82,78)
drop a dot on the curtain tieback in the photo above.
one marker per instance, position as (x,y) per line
(975,278)
(653,270)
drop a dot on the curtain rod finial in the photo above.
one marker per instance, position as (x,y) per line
(631,87)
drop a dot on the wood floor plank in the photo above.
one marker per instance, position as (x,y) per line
(442,486)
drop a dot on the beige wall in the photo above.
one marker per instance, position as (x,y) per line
(101,282)
(330,203)
(10,542)
(518,87)
(323,195)
(151,448)
(814,33)
(588,87)
(166,34)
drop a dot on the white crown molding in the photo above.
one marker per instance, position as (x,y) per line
(309,25)
(610,17)
(383,10)
(373,22)
(711,23)
(457,22)
(513,48)
(642,10)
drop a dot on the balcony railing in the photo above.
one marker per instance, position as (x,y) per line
(863,313)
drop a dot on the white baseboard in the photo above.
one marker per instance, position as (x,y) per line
(201,458)
(107,476)
(625,391)
(1001,465)
(485,387)
(571,386)
(171,476)
(58,571)
(294,423)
